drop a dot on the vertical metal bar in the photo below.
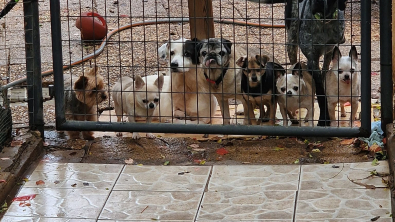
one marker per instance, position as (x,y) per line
(386,63)
(56,32)
(33,65)
(365,67)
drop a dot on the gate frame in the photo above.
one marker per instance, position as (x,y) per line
(364,130)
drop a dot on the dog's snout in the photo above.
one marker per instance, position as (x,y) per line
(151,105)
(174,65)
(254,78)
(289,93)
(347,77)
(104,96)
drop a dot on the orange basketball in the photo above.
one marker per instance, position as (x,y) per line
(92,26)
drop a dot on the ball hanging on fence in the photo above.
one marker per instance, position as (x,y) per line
(92,26)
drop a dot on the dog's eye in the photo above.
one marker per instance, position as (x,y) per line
(296,88)
(172,53)
(204,53)
(145,101)
(187,54)
(222,53)
(156,100)
(94,90)
(283,89)
(340,71)
(352,71)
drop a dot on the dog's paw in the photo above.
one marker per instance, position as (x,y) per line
(119,134)
(135,136)
(150,136)
(343,114)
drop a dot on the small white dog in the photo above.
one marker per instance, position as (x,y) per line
(297,91)
(342,84)
(186,88)
(135,98)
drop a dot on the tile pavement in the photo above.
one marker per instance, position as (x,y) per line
(81,192)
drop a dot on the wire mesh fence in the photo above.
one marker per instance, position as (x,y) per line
(151,69)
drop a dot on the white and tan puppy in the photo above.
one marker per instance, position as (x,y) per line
(342,83)
(188,95)
(296,91)
(135,98)
(223,76)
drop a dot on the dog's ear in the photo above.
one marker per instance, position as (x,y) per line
(297,70)
(81,83)
(278,69)
(93,71)
(242,62)
(199,46)
(228,45)
(159,82)
(138,82)
(163,51)
(262,59)
(353,53)
(336,54)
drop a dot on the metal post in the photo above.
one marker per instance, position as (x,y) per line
(386,63)
(365,67)
(57,61)
(33,65)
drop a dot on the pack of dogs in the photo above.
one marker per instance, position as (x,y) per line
(204,74)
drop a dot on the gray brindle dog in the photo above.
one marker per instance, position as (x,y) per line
(315,26)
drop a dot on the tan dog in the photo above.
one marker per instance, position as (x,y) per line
(136,99)
(187,90)
(342,83)
(223,77)
(258,82)
(82,99)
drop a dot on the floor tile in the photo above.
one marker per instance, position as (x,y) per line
(43,219)
(163,178)
(347,220)
(323,177)
(62,203)
(150,205)
(74,175)
(360,204)
(235,206)
(254,178)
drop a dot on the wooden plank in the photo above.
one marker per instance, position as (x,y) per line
(201,19)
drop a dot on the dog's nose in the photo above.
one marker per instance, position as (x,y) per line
(104,96)
(151,105)
(254,78)
(347,77)
(174,65)
(289,93)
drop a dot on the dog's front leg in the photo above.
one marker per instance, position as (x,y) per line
(284,112)
(249,117)
(224,106)
(314,69)
(354,109)
(135,134)
(149,135)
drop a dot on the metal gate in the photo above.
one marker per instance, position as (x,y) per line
(118,14)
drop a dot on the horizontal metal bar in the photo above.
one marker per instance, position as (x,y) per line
(213,129)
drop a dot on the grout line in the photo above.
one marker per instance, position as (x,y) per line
(205,190)
(109,194)
(297,193)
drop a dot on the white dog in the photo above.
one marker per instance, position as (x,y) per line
(342,83)
(184,88)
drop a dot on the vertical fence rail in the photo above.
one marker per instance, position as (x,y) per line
(386,63)
(33,65)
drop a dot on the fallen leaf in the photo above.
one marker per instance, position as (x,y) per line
(202,162)
(199,149)
(367,186)
(335,166)
(315,150)
(347,142)
(25,179)
(385,140)
(222,151)
(140,164)
(129,161)
(16,143)
(24,204)
(166,163)
(72,153)
(278,149)
(375,218)
(124,16)
(375,162)
(40,182)
(375,148)
(74,185)
(194,145)
(25,198)
(219,141)
(296,161)
(56,182)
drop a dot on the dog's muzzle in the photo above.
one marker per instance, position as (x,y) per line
(174,66)
(151,105)
(211,60)
(254,78)
(289,93)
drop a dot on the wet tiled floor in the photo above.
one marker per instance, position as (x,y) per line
(81,192)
